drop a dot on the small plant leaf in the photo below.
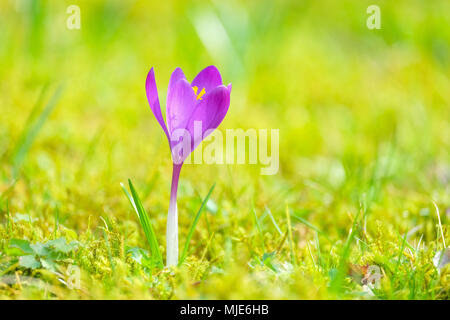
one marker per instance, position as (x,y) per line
(61,245)
(48,264)
(138,254)
(268,259)
(39,249)
(29,262)
(23,245)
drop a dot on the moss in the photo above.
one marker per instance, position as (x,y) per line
(363,154)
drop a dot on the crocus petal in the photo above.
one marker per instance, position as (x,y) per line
(180,104)
(177,74)
(210,112)
(153,100)
(208,78)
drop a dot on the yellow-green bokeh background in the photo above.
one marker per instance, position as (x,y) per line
(362,114)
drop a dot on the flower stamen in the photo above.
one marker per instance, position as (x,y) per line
(199,95)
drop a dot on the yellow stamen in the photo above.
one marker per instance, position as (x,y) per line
(199,95)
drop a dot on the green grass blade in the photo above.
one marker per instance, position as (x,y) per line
(291,240)
(146,225)
(399,259)
(258,226)
(337,282)
(89,153)
(32,130)
(310,225)
(130,198)
(273,221)
(194,224)
(108,249)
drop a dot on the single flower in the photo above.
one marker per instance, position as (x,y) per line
(203,103)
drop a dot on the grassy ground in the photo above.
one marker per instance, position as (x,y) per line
(364,175)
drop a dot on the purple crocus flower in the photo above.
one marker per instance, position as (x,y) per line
(203,104)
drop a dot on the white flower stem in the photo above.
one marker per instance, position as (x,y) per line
(172,220)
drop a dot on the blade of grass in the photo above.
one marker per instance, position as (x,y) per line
(291,239)
(31,131)
(55,232)
(319,254)
(204,254)
(273,221)
(151,185)
(440,224)
(337,282)
(310,225)
(108,249)
(146,225)
(280,246)
(310,253)
(8,217)
(258,226)
(130,199)
(33,114)
(194,224)
(400,254)
(89,152)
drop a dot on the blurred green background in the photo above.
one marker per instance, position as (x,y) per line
(363,118)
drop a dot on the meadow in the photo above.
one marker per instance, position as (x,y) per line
(364,150)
